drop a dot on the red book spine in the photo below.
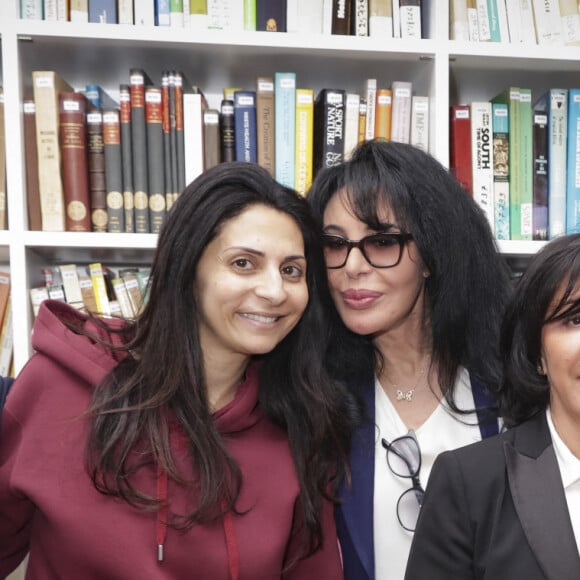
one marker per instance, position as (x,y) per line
(460,146)
(75,174)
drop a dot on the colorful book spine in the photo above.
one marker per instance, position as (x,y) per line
(245,126)
(103,11)
(328,143)
(227,131)
(99,286)
(97,185)
(126,157)
(113,171)
(341,17)
(285,126)
(266,123)
(555,103)
(211,138)
(179,133)
(501,181)
(482,157)
(156,174)
(383,112)
(271,15)
(573,164)
(73,147)
(172,164)
(540,175)
(511,97)
(460,146)
(138,81)
(162,13)
(526,164)
(166,130)
(493,17)
(304,138)
(176,13)
(250,15)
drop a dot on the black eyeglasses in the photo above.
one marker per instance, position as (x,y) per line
(404,460)
(382,250)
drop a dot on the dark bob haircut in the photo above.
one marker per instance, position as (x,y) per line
(469,283)
(538,300)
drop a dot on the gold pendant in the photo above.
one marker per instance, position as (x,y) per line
(405,395)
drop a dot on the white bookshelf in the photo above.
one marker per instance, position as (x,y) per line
(446,71)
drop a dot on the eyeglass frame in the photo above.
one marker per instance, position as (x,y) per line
(401,237)
(416,486)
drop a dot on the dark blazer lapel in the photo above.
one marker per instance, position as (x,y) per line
(357,506)
(540,503)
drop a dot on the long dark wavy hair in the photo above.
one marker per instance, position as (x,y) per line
(469,283)
(555,268)
(162,375)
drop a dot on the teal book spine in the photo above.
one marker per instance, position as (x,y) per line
(501,175)
(285,127)
(573,164)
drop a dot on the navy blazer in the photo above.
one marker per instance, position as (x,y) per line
(496,510)
(354,515)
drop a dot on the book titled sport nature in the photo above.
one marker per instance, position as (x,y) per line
(328,128)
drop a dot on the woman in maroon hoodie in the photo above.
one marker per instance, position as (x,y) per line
(200,440)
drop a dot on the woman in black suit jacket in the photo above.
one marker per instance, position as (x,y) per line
(500,509)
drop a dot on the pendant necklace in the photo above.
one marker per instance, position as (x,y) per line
(406,395)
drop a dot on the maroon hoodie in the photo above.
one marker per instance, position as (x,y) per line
(48,504)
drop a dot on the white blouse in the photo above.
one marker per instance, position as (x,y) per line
(443,430)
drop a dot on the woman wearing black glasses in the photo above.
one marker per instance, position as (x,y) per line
(509,507)
(416,279)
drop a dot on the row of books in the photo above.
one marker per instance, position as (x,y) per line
(384,18)
(519,157)
(94,288)
(515,21)
(98,165)
(6,337)
(292,134)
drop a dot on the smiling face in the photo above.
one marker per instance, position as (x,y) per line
(373,301)
(251,284)
(561,363)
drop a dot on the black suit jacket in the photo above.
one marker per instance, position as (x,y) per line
(496,510)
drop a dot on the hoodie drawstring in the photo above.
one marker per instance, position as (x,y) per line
(161,527)
(231,544)
(162,512)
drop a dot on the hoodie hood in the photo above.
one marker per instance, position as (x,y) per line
(51,337)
